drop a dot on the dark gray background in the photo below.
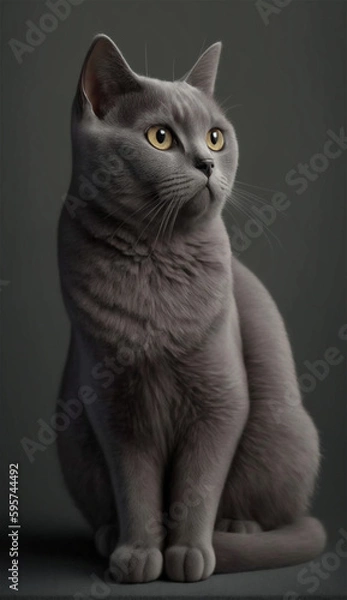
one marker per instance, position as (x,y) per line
(288,80)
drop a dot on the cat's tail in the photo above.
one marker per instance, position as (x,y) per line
(289,545)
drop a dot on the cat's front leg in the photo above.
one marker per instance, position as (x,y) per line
(136,474)
(138,489)
(219,406)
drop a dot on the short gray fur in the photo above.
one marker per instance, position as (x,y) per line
(199,455)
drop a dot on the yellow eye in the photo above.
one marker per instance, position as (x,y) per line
(160,137)
(215,139)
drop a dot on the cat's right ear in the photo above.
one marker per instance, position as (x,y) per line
(105,75)
(203,74)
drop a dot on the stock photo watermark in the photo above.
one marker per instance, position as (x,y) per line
(268,8)
(316,371)
(264,217)
(3,283)
(59,421)
(299,177)
(90,188)
(36,32)
(13,526)
(311,576)
(304,173)
(104,372)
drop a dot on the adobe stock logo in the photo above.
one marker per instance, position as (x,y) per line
(304,173)
(263,218)
(36,33)
(267,8)
(316,571)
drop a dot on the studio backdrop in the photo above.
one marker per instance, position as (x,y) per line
(282,84)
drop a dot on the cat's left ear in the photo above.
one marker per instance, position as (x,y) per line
(204,73)
(105,75)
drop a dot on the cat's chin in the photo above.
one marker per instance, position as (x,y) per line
(198,204)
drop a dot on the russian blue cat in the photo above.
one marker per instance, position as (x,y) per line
(193,453)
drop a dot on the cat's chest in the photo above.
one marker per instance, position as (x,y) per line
(164,301)
(174,298)
(175,289)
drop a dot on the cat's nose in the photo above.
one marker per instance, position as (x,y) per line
(206,165)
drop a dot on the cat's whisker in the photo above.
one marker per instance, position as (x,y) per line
(126,221)
(230,210)
(156,209)
(223,102)
(169,214)
(146,60)
(249,199)
(179,205)
(243,210)
(154,245)
(229,108)
(246,191)
(162,225)
(170,187)
(266,229)
(173,216)
(173,178)
(166,227)
(254,186)
(244,213)
(203,46)
(114,212)
(250,196)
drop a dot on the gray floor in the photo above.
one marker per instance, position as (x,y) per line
(61,565)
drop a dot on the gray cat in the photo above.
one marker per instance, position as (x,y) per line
(193,453)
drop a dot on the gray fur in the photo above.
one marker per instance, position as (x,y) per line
(197,454)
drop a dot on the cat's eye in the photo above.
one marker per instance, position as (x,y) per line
(215,139)
(160,137)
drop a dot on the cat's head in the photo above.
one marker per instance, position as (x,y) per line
(152,148)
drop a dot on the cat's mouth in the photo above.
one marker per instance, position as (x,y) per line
(204,189)
(207,192)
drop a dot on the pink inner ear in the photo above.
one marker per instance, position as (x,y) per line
(92,86)
(105,75)
(203,74)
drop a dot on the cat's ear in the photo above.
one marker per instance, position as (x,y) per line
(204,73)
(105,75)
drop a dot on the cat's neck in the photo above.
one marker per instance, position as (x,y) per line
(139,240)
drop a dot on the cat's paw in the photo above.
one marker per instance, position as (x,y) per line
(189,563)
(238,526)
(135,564)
